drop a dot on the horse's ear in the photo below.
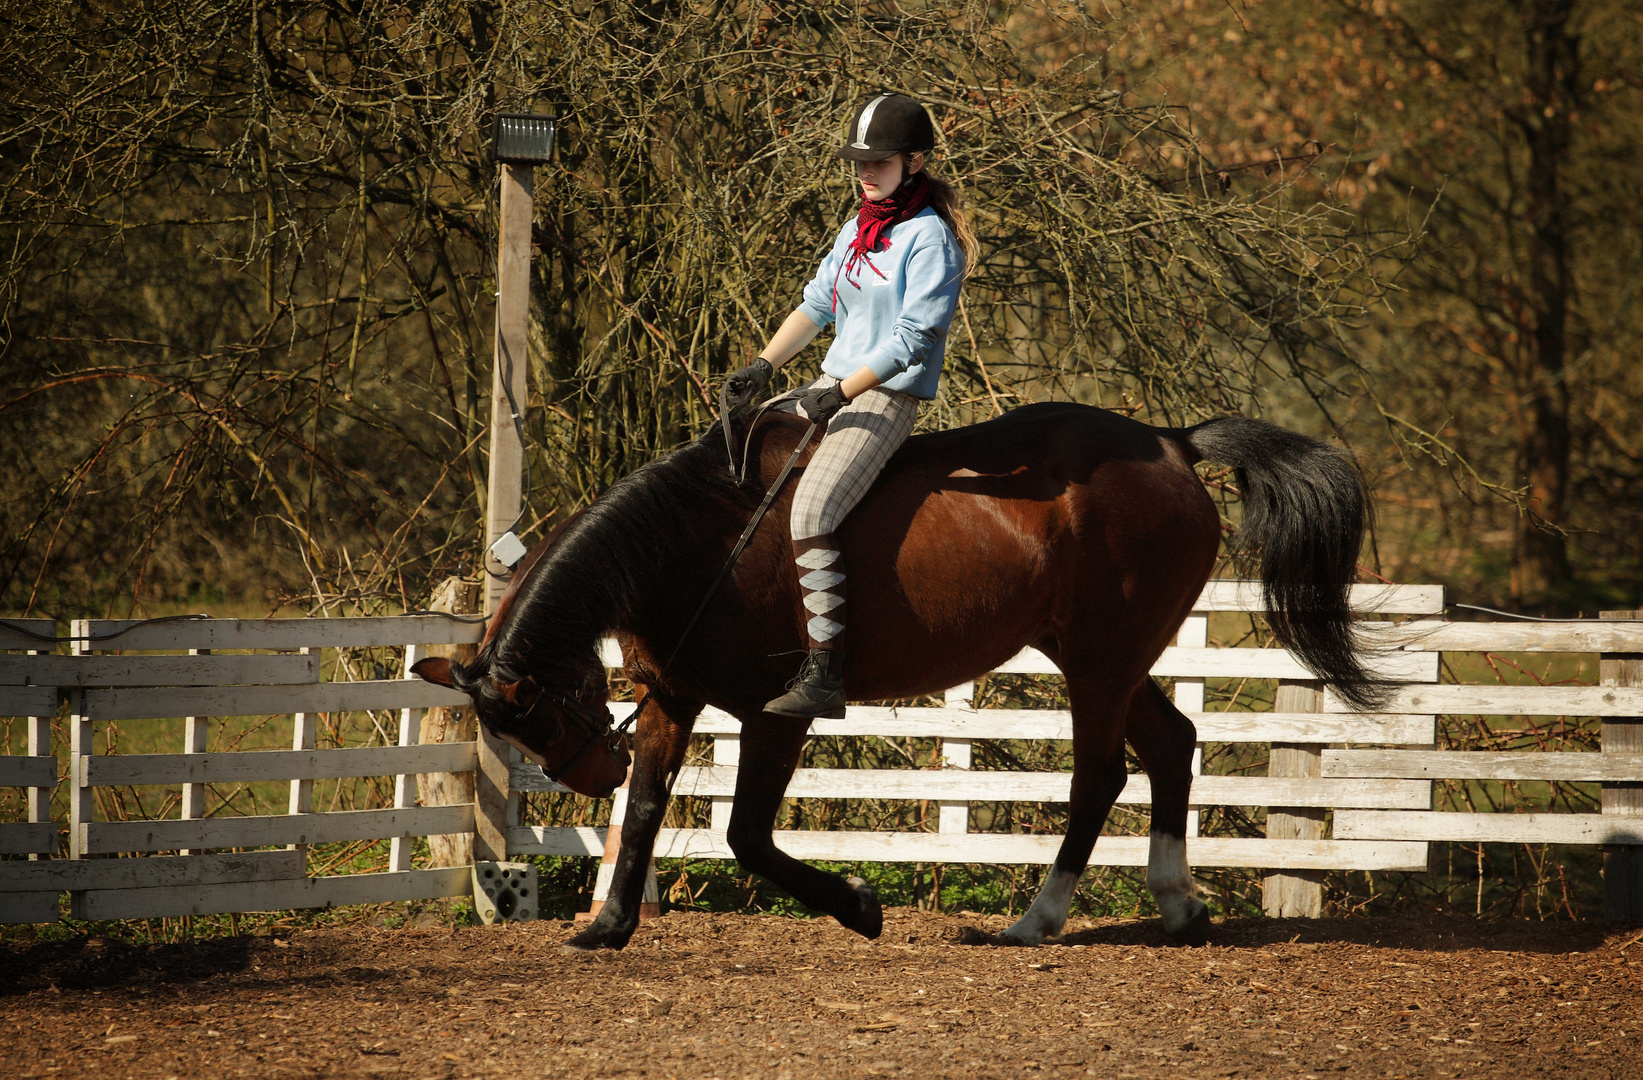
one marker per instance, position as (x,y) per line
(436,669)
(521,694)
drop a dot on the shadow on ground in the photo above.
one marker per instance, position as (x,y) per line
(86,963)
(1430,933)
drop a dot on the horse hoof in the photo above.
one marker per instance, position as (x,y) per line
(868,921)
(1196,932)
(593,939)
(1017,938)
(1005,941)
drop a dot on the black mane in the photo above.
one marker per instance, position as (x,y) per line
(607,559)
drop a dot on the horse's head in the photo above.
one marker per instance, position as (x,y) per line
(567,732)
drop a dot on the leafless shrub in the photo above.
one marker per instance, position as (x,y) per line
(246,305)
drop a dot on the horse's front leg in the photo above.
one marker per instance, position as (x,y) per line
(662,737)
(769,754)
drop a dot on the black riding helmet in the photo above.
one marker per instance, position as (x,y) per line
(888,124)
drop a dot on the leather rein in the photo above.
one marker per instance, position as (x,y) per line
(599,722)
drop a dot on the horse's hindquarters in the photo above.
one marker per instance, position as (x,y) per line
(1090,539)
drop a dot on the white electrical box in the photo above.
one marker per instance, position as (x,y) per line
(508,550)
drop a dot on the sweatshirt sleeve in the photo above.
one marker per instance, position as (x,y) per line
(933,275)
(817,304)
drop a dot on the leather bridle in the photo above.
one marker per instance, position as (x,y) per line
(597,722)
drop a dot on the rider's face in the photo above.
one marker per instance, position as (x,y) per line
(880,179)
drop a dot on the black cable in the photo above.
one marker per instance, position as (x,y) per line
(53,639)
(9,625)
(448,615)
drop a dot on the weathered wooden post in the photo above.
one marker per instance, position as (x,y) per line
(1622,864)
(450,723)
(1295,893)
(82,803)
(521,142)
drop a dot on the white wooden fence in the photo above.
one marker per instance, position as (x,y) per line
(103,686)
(1369,776)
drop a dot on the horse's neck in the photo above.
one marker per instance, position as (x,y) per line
(619,570)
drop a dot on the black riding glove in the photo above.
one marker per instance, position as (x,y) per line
(747,383)
(818,406)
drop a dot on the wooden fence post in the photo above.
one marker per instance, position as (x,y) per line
(727,752)
(400,848)
(82,803)
(495,808)
(39,798)
(1295,893)
(196,732)
(304,736)
(504,486)
(954,817)
(1622,864)
(450,723)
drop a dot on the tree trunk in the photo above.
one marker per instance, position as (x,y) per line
(459,724)
(1540,561)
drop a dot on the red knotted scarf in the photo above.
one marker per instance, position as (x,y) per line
(873,224)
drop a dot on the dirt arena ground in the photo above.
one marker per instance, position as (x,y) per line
(738,996)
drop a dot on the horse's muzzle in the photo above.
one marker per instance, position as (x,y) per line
(602,769)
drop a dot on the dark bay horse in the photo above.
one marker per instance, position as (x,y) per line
(1060,526)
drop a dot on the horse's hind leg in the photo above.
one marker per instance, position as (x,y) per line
(1164,739)
(770,753)
(1098,709)
(659,749)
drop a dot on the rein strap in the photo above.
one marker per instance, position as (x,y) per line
(735,554)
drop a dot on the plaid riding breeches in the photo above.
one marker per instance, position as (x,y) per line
(860,439)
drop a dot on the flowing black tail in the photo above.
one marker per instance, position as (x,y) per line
(1305,510)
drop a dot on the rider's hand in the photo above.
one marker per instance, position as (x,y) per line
(818,406)
(745,384)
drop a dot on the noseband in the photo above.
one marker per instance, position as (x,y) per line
(596,723)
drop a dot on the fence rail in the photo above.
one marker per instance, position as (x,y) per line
(1365,780)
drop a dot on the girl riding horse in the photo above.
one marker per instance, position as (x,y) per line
(1082,533)
(890,283)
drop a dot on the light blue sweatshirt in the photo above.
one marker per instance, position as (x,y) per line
(894,306)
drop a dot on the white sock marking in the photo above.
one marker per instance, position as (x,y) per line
(1170,881)
(1049,911)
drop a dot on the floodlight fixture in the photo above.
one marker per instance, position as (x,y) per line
(523,138)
